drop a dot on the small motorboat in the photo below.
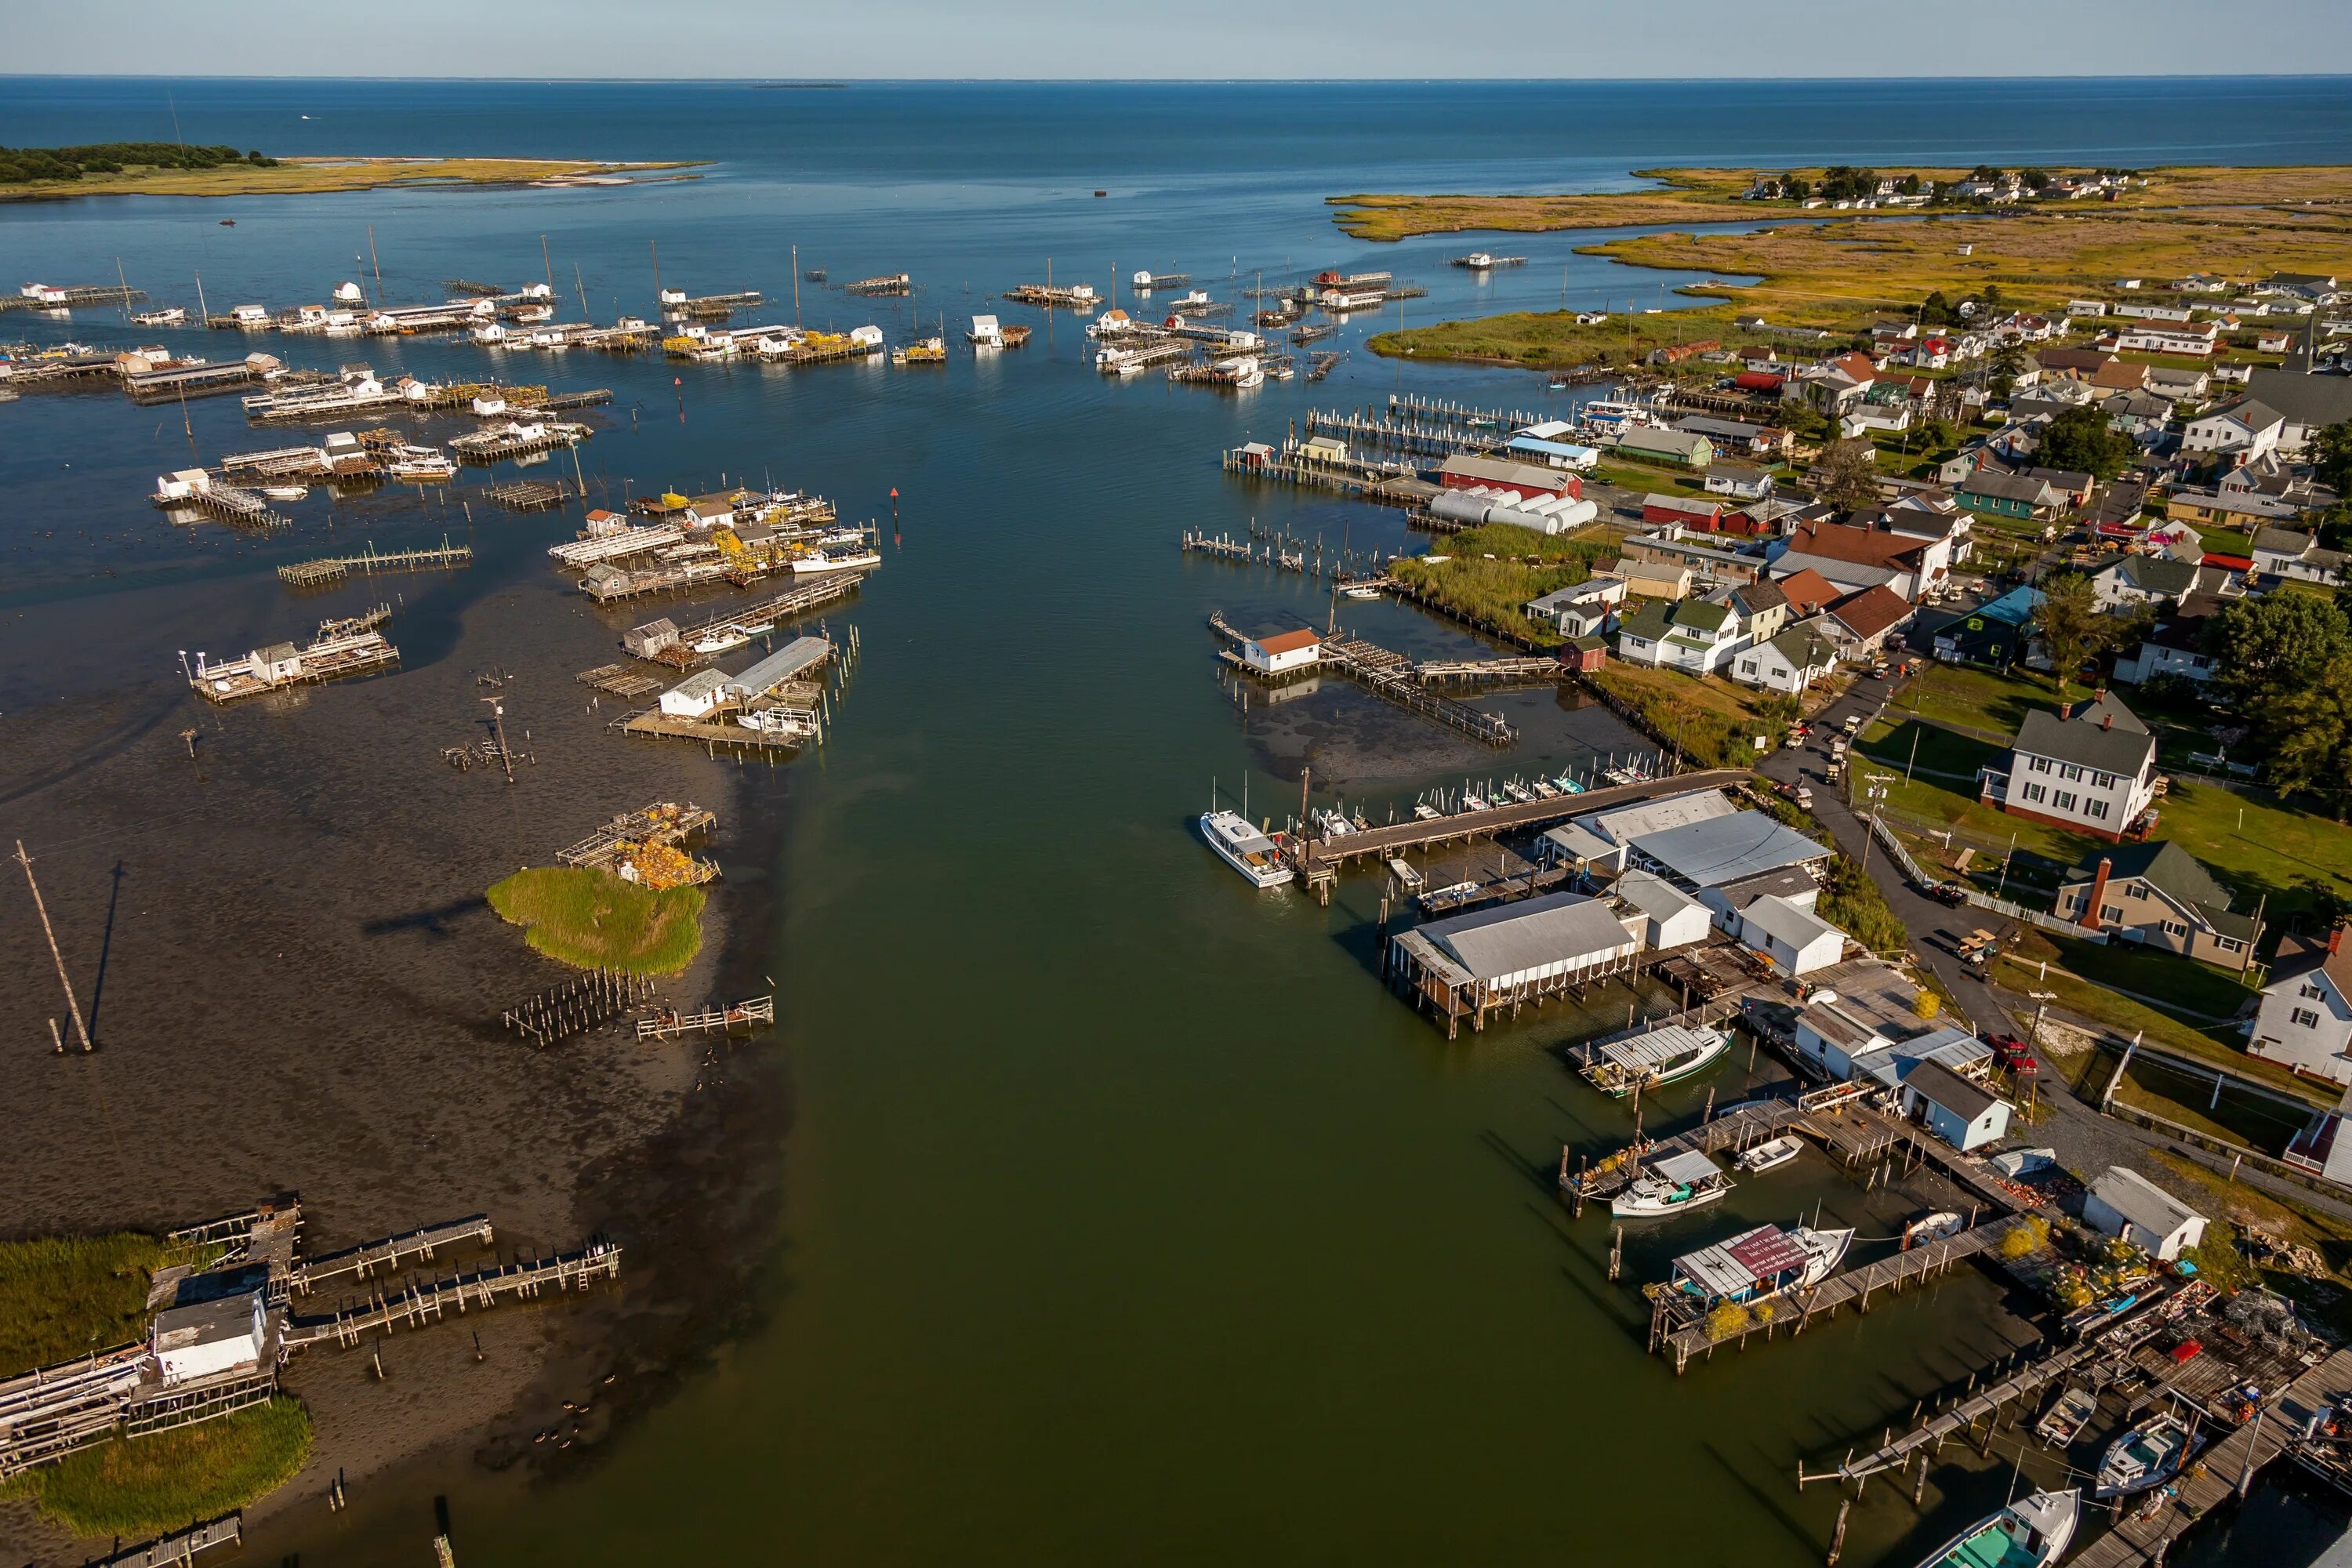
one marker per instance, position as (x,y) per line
(2034,1533)
(285,492)
(1933,1228)
(1685,1181)
(2065,1418)
(1767,1156)
(2147,1456)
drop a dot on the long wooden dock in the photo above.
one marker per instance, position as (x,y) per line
(1388,675)
(180,1545)
(427,1303)
(669,1024)
(2227,1468)
(1323,856)
(335,568)
(376,1257)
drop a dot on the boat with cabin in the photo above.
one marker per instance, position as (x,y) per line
(2147,1456)
(2030,1533)
(1757,1264)
(1651,1059)
(1679,1181)
(1246,850)
(835,561)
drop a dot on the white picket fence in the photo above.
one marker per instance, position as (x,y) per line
(2042,918)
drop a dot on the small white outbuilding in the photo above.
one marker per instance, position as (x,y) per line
(2124,1202)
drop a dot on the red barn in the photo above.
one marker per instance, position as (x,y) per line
(1688,511)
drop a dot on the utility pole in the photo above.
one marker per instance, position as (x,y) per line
(499,720)
(82,1030)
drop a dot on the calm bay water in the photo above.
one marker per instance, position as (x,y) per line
(1128,1219)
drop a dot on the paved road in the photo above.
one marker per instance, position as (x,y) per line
(2085,1140)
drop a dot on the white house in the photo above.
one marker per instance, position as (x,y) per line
(2093,770)
(2241,428)
(277,664)
(2286,553)
(2197,341)
(1964,1114)
(1794,937)
(2125,1204)
(2142,579)
(1673,918)
(695,696)
(1788,663)
(1694,634)
(208,1339)
(1581,609)
(1283,651)
(2305,1018)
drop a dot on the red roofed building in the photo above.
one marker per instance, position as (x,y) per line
(1862,621)
(1808,592)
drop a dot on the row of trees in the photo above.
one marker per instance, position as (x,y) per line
(28,165)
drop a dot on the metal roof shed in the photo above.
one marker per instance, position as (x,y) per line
(1720,850)
(793,659)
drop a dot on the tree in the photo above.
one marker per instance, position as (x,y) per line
(2310,731)
(2334,529)
(2082,441)
(2267,645)
(2008,364)
(1936,311)
(1992,294)
(2070,625)
(1850,474)
(2331,456)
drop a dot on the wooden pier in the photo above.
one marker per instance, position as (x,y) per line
(1854,1288)
(1324,855)
(750,1015)
(528,495)
(332,658)
(889,283)
(663,822)
(1533,669)
(422,1304)
(715,734)
(1395,435)
(1387,675)
(577,1005)
(380,1257)
(231,504)
(333,569)
(67,298)
(495,445)
(716,636)
(180,1546)
(621,681)
(1460,415)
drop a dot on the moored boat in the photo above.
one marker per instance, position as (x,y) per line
(1767,1156)
(2065,1420)
(2033,1532)
(1244,848)
(1685,1181)
(1652,1058)
(2146,1455)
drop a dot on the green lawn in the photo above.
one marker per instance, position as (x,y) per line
(62,1297)
(139,1486)
(593,919)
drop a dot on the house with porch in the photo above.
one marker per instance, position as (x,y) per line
(2304,1021)
(2091,768)
(1788,662)
(2157,895)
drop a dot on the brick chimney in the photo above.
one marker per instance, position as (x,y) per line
(2107,719)
(2334,942)
(2098,894)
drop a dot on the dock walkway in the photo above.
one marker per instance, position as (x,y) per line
(373,1257)
(335,568)
(1322,857)
(428,1302)
(180,1545)
(2228,1466)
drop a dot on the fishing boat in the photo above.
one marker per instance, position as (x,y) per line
(285,492)
(1685,1181)
(172,316)
(2031,1534)
(1767,1156)
(2065,1420)
(827,561)
(1653,1057)
(1244,848)
(1760,1264)
(2146,1455)
(1823,1249)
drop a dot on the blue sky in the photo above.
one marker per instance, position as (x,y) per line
(1221,39)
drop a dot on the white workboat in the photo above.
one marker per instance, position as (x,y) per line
(1652,1058)
(2030,1533)
(1244,848)
(2066,1419)
(1685,1181)
(1933,1228)
(1823,1249)
(1767,1156)
(826,561)
(2146,1455)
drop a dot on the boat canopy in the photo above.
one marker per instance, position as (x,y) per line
(1735,1268)
(1647,1052)
(1689,1168)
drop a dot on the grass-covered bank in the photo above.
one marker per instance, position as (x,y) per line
(64,1296)
(594,919)
(137,1486)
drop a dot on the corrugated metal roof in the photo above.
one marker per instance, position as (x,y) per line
(1560,928)
(1720,850)
(1792,925)
(1690,1166)
(1622,825)
(797,657)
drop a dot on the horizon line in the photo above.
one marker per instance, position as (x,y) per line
(844,81)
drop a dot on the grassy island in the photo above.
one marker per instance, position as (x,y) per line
(55,173)
(64,1296)
(136,1486)
(1838,268)
(594,919)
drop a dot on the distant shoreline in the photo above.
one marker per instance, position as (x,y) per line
(319,175)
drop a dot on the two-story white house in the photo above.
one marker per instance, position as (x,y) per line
(2092,769)
(2305,1018)
(2241,428)
(1790,662)
(1696,634)
(1581,610)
